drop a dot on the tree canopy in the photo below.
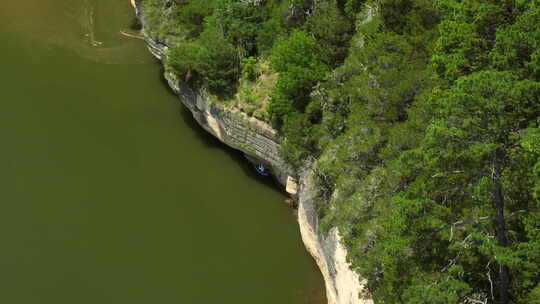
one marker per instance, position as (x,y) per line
(418,118)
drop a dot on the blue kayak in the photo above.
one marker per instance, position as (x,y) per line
(261,169)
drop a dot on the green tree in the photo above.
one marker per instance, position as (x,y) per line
(332,30)
(528,274)
(517,46)
(297,145)
(190,15)
(239,23)
(467,33)
(300,68)
(467,167)
(211,60)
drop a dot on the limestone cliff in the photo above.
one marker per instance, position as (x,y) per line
(256,139)
(343,286)
(260,143)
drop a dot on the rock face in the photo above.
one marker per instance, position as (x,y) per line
(256,139)
(343,286)
(259,142)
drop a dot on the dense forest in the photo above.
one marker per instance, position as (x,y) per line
(420,119)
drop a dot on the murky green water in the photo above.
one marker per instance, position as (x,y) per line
(109,191)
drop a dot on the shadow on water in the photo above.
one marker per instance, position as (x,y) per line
(210,141)
(313,296)
(238,157)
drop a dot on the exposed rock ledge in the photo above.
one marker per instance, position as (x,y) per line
(259,142)
(343,286)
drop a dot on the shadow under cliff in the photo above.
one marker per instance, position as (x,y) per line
(211,142)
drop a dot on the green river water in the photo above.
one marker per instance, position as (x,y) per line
(110,193)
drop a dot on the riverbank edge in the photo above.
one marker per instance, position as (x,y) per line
(260,144)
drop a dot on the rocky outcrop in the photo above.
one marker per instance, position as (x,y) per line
(256,139)
(259,142)
(343,286)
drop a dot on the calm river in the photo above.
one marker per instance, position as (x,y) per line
(110,193)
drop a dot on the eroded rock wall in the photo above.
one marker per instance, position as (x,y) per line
(343,286)
(256,139)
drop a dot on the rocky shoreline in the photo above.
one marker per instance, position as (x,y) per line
(260,144)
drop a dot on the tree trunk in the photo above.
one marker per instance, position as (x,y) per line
(500,227)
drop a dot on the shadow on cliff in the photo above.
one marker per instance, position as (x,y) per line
(211,142)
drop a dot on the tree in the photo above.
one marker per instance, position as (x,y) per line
(466,35)
(528,289)
(517,46)
(239,23)
(297,145)
(332,30)
(300,68)
(468,165)
(190,15)
(211,60)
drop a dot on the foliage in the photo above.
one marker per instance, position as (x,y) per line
(254,88)
(517,46)
(249,68)
(210,39)
(333,31)
(300,68)
(296,146)
(211,59)
(466,35)
(419,119)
